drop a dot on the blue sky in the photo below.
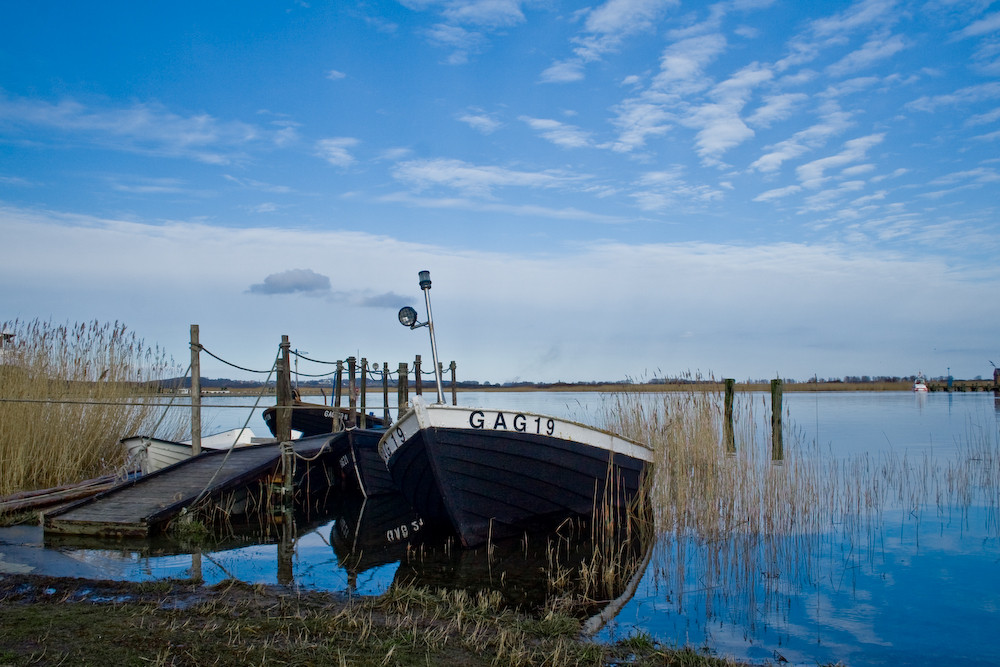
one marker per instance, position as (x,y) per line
(601,190)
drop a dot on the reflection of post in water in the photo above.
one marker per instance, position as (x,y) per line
(286,548)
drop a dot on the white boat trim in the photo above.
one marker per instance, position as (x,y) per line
(423,415)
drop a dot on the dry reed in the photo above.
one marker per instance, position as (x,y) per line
(744,526)
(68,394)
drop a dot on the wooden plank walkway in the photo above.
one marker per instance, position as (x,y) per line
(142,506)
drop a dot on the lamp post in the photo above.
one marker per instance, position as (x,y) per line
(408,317)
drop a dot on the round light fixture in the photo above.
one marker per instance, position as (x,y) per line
(407,316)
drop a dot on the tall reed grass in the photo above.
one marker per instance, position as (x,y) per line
(754,527)
(68,394)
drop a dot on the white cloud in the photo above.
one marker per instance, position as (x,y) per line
(139,128)
(335,75)
(565,71)
(812,174)
(480,121)
(475,180)
(875,49)
(561,134)
(335,150)
(983,26)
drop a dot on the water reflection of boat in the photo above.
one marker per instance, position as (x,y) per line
(152,454)
(531,572)
(491,474)
(318,419)
(368,532)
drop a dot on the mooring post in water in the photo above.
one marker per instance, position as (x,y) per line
(402,388)
(195,392)
(364,390)
(385,392)
(337,383)
(454,395)
(727,427)
(777,445)
(352,392)
(418,385)
(283,395)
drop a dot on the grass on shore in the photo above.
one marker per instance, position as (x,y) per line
(178,623)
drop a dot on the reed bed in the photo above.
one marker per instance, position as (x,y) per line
(68,394)
(743,531)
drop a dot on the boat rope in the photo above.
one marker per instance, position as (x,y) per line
(171,401)
(317,361)
(229,451)
(229,363)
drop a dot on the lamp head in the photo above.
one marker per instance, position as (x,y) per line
(425,280)
(407,316)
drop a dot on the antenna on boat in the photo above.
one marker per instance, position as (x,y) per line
(408,318)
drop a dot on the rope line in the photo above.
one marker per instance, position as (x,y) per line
(229,363)
(317,361)
(229,451)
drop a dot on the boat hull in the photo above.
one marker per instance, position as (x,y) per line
(489,483)
(315,419)
(362,470)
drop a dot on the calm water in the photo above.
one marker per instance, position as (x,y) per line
(919,585)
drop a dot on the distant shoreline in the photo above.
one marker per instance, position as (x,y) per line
(612,387)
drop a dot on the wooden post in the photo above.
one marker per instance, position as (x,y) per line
(385,393)
(195,392)
(402,387)
(364,391)
(336,387)
(727,426)
(418,382)
(283,397)
(454,395)
(352,395)
(777,444)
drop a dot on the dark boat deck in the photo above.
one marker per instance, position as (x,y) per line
(140,507)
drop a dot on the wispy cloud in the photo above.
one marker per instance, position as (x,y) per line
(875,49)
(140,128)
(813,174)
(476,180)
(336,150)
(561,134)
(480,121)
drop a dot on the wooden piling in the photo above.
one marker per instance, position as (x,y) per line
(352,395)
(402,388)
(418,385)
(364,392)
(777,443)
(195,392)
(454,390)
(283,395)
(337,391)
(727,427)
(385,392)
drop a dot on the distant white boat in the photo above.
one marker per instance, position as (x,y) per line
(920,385)
(152,454)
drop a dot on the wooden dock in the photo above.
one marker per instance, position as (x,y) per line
(143,506)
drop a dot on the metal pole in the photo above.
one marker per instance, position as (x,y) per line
(425,285)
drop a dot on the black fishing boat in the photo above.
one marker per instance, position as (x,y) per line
(318,419)
(491,473)
(361,469)
(494,473)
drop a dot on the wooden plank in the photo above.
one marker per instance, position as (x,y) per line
(136,507)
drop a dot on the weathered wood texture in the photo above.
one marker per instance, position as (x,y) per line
(143,506)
